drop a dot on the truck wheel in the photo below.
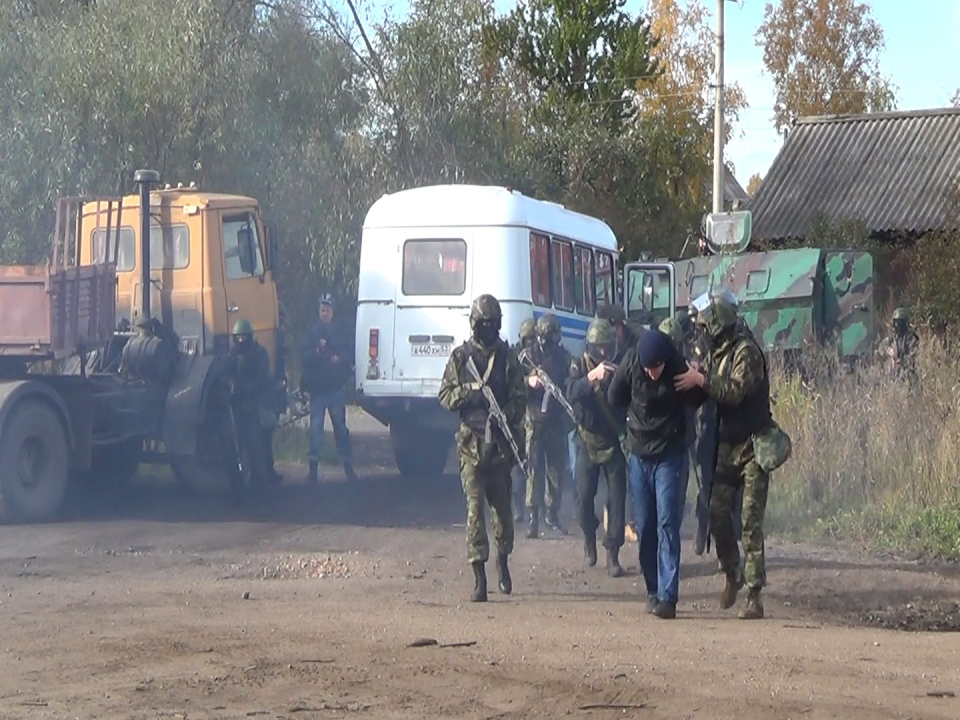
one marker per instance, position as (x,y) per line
(113,466)
(34,464)
(199,478)
(419,453)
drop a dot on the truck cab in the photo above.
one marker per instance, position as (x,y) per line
(210,264)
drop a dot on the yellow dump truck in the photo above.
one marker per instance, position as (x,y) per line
(114,352)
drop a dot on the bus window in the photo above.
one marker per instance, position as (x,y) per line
(561,263)
(583,288)
(434,267)
(540,269)
(604,279)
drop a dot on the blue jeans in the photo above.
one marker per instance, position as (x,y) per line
(655,485)
(333,403)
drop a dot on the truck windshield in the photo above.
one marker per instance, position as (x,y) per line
(434,267)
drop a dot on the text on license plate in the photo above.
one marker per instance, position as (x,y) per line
(430,350)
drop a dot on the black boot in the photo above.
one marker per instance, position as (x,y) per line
(503,574)
(480,586)
(590,549)
(613,563)
(533,530)
(312,477)
(348,471)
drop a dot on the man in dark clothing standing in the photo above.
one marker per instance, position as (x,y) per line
(599,427)
(656,426)
(326,360)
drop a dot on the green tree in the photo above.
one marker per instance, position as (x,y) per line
(823,56)
(585,52)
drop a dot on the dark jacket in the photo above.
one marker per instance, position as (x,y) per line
(602,427)
(326,359)
(250,368)
(656,412)
(556,364)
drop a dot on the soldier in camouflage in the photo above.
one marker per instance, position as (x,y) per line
(547,424)
(600,428)
(735,376)
(519,481)
(485,454)
(899,349)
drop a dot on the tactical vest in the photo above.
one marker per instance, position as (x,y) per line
(738,423)
(493,370)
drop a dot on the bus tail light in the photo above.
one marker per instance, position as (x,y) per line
(374,345)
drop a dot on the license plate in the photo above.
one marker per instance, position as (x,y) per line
(430,350)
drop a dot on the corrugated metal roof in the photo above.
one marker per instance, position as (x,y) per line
(896,172)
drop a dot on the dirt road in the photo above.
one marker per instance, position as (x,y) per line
(156,606)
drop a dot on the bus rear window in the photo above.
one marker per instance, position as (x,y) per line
(434,267)
(604,279)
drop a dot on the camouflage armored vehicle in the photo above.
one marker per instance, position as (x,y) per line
(790,299)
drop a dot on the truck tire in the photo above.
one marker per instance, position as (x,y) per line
(200,479)
(34,463)
(419,453)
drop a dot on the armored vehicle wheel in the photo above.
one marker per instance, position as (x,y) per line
(34,463)
(419,452)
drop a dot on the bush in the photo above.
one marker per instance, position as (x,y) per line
(875,460)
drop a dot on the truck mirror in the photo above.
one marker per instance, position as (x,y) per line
(245,242)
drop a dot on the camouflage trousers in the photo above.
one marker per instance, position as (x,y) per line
(737,468)
(549,458)
(488,484)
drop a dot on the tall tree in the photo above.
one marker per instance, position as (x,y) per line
(955,100)
(823,56)
(682,95)
(587,52)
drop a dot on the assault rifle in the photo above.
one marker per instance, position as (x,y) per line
(548,384)
(497,414)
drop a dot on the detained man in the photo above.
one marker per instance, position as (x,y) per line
(656,431)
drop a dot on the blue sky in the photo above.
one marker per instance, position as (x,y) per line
(922,57)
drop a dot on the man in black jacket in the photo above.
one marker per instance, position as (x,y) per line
(325,367)
(656,427)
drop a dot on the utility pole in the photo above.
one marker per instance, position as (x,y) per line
(718,118)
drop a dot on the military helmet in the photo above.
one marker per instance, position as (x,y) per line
(601,340)
(613,313)
(671,328)
(718,311)
(242,327)
(485,308)
(901,313)
(527,330)
(548,329)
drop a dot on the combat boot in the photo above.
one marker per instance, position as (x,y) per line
(590,549)
(753,610)
(533,529)
(312,476)
(480,586)
(348,471)
(728,598)
(614,568)
(503,574)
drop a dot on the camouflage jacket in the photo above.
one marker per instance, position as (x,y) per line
(899,352)
(460,393)
(736,377)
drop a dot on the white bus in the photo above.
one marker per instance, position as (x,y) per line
(425,254)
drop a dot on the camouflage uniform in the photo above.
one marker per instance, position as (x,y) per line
(250,402)
(485,454)
(899,349)
(518,479)
(547,428)
(736,377)
(600,428)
